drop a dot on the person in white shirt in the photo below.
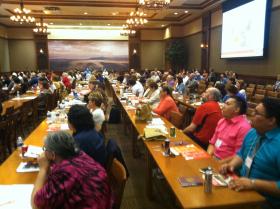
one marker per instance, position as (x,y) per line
(153,98)
(94,105)
(136,87)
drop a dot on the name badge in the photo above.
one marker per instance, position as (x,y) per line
(218,143)
(248,162)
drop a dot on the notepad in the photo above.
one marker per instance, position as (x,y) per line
(27,167)
(190,181)
(15,196)
(33,151)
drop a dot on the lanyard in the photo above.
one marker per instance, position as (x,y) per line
(251,155)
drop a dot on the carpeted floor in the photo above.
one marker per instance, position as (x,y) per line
(134,195)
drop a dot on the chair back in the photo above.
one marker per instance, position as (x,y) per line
(3,140)
(252,85)
(176,119)
(269,87)
(272,94)
(260,91)
(260,86)
(258,98)
(117,177)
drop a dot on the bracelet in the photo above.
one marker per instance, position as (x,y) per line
(253,183)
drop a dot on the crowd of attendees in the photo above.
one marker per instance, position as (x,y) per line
(219,125)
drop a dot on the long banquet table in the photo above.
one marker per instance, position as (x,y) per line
(173,168)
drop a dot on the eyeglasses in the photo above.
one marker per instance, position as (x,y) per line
(255,112)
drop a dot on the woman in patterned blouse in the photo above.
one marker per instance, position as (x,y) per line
(68,178)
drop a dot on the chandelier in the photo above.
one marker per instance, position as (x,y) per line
(156,4)
(126,31)
(136,19)
(41,27)
(22,15)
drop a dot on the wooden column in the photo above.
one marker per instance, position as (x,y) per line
(42,52)
(134,52)
(205,41)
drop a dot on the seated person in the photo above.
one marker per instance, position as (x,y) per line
(80,121)
(16,87)
(258,160)
(136,87)
(147,92)
(232,90)
(191,84)
(153,97)
(231,129)
(94,105)
(166,104)
(206,118)
(68,178)
(180,88)
(44,92)
(276,86)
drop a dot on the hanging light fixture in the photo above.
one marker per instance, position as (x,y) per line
(136,19)
(41,27)
(22,15)
(126,31)
(154,4)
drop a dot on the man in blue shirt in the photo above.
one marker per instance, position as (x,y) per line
(259,158)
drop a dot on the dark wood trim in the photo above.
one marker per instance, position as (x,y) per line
(82,40)
(193,34)
(257,79)
(20,39)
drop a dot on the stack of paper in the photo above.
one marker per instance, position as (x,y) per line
(15,196)
(27,167)
(33,151)
(58,127)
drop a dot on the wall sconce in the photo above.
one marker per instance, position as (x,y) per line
(41,51)
(134,51)
(203,46)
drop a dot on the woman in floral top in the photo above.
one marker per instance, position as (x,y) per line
(68,178)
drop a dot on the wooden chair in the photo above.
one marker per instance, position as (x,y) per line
(269,87)
(272,94)
(252,85)
(12,130)
(176,119)
(260,91)
(260,86)
(117,177)
(3,140)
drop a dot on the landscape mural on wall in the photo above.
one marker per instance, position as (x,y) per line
(71,55)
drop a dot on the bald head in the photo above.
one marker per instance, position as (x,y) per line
(213,94)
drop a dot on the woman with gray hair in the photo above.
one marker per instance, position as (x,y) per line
(68,178)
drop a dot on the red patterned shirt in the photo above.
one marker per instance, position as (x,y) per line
(75,183)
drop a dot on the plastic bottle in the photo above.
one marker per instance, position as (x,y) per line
(19,144)
(18,94)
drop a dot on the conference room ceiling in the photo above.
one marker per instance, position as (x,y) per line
(104,12)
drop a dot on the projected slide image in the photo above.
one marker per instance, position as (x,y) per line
(243,30)
(70,55)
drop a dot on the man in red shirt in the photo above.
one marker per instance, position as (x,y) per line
(205,118)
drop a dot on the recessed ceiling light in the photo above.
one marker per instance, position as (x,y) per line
(51,23)
(162,25)
(186,11)
(108,24)
(114,13)
(85,13)
(81,24)
(175,13)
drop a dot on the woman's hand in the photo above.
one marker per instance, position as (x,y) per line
(43,161)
